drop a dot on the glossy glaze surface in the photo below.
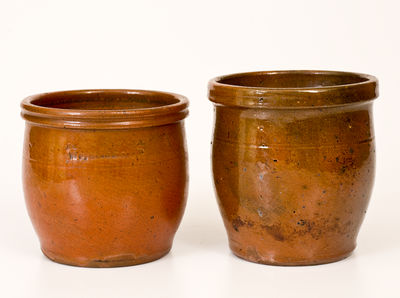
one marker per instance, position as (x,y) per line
(293,163)
(105,174)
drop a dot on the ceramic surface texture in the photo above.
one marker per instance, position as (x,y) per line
(105,174)
(293,160)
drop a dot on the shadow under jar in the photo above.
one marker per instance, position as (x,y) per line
(105,174)
(293,160)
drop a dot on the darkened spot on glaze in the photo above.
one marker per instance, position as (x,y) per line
(301,222)
(275,231)
(238,222)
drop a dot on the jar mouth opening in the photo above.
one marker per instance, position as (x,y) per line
(104,108)
(292,88)
(292,79)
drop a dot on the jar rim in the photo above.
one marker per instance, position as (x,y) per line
(104,108)
(292,89)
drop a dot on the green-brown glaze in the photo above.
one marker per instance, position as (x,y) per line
(293,162)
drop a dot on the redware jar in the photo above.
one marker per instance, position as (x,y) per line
(105,174)
(293,162)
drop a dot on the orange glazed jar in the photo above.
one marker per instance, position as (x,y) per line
(105,174)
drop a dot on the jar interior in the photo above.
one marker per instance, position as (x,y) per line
(292,80)
(103,100)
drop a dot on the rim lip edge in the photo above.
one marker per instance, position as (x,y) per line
(251,92)
(101,114)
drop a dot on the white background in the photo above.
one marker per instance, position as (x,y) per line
(178,46)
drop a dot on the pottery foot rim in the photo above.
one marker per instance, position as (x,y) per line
(97,263)
(273,262)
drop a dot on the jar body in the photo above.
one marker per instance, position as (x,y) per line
(293,185)
(105,197)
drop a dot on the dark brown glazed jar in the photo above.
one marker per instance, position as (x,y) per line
(293,162)
(105,174)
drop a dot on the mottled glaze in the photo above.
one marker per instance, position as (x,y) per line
(293,160)
(105,174)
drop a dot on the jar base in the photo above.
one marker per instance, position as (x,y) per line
(120,261)
(276,261)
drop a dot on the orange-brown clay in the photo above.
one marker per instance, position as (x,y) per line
(293,162)
(105,174)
